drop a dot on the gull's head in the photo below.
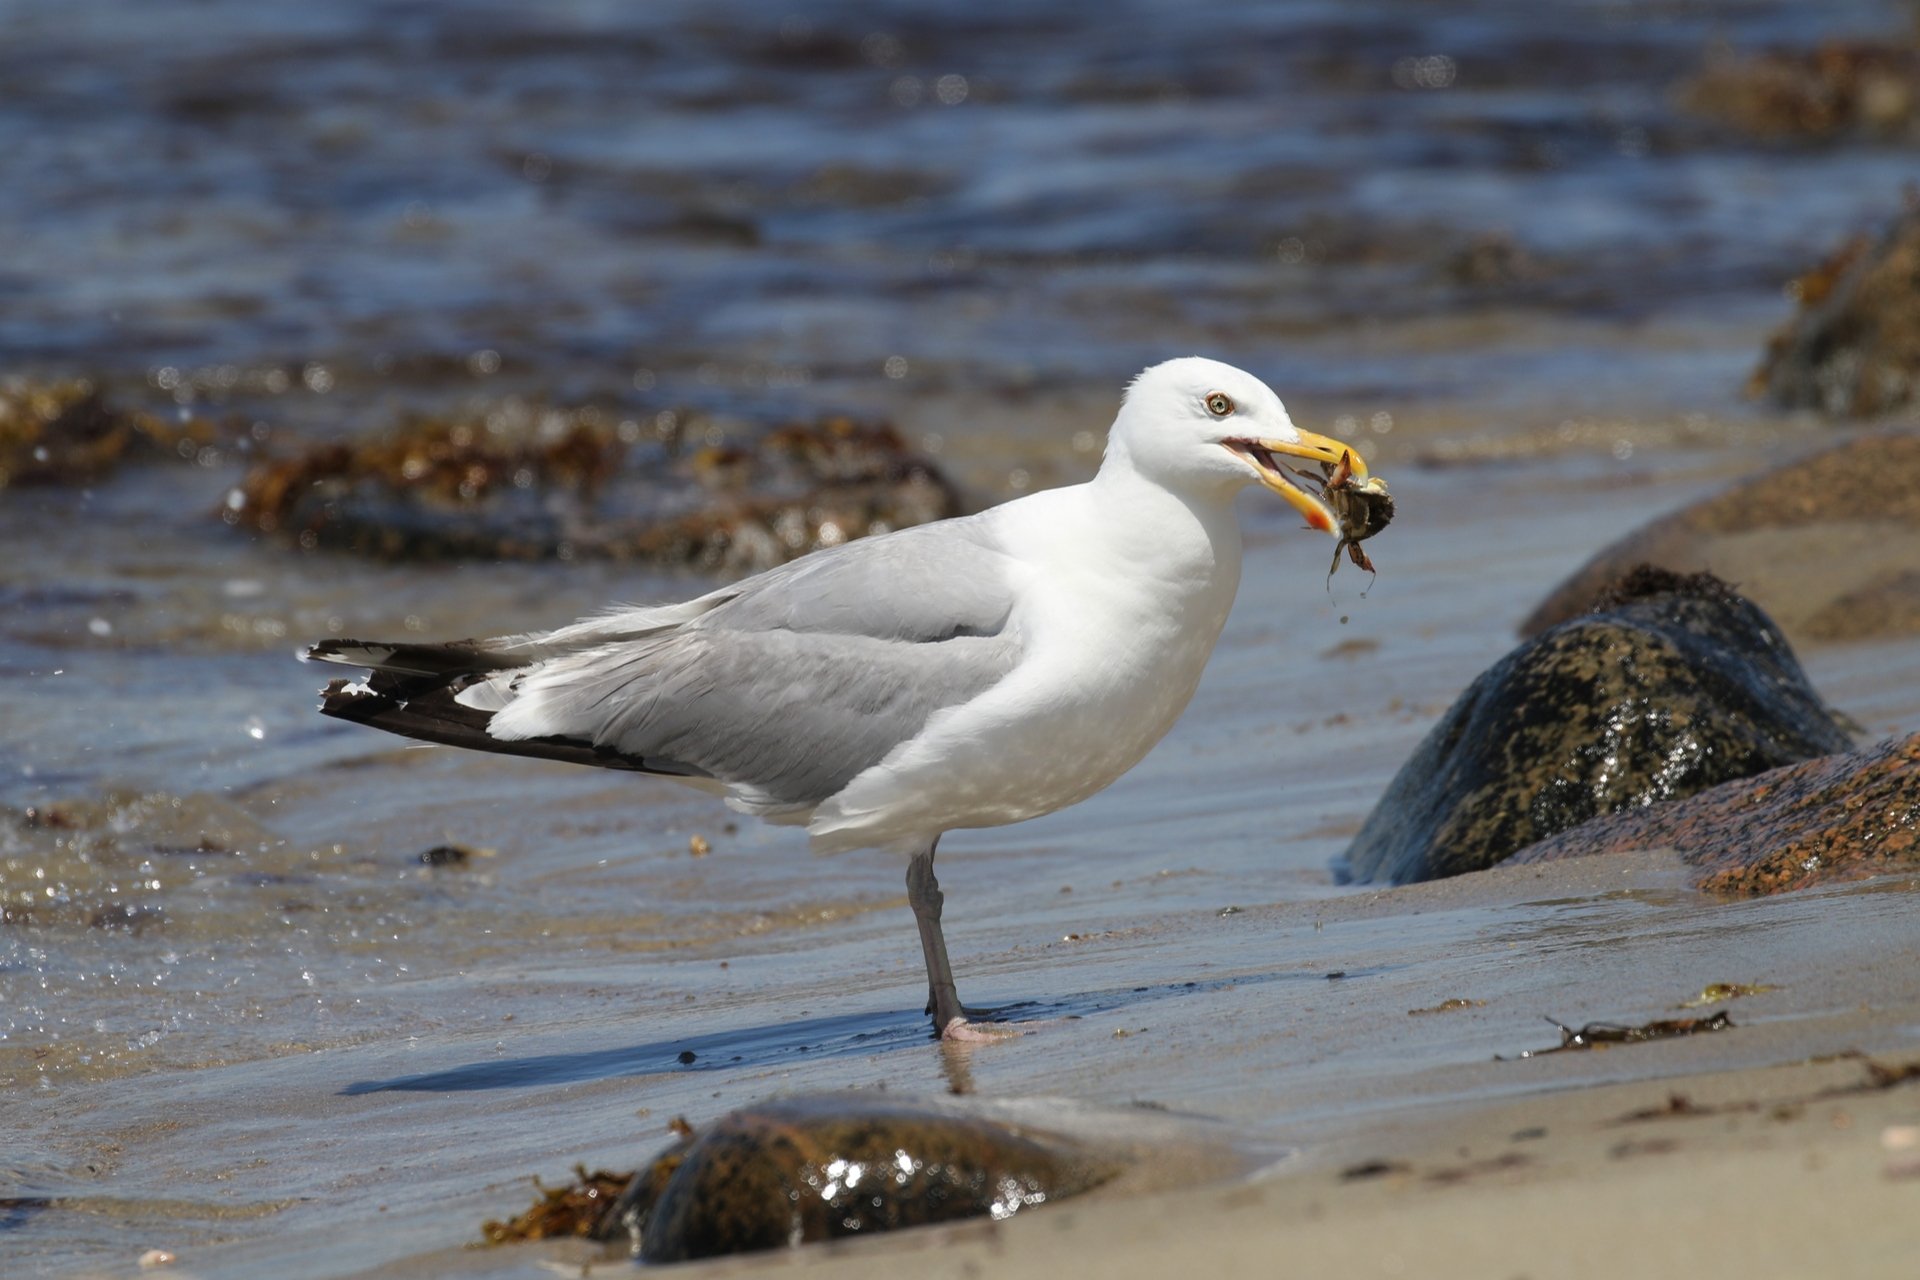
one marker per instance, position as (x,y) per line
(1200,427)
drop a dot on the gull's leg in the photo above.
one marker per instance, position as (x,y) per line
(923,894)
(943,1000)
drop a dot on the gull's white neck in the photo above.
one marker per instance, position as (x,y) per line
(1154,563)
(1189,542)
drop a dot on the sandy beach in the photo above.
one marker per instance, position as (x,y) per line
(1554,1185)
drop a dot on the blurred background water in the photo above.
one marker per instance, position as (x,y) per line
(1486,240)
(732,199)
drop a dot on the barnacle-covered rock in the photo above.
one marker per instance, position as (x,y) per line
(1669,686)
(1841,817)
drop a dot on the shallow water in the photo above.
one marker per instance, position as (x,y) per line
(745,205)
(238,1016)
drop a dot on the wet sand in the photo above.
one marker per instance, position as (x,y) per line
(1396,1142)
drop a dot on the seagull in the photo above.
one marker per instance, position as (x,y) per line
(972,672)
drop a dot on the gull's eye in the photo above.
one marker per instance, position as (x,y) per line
(1219,403)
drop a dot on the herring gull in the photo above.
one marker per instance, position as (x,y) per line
(973,672)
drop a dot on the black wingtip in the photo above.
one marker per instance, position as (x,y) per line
(415,708)
(346,699)
(458,657)
(345,651)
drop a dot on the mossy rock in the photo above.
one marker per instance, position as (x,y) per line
(1838,818)
(1852,349)
(1671,685)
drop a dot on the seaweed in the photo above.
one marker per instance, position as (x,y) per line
(1370,1169)
(1601,1035)
(444,855)
(1852,346)
(68,432)
(574,1210)
(1878,1077)
(1844,88)
(528,482)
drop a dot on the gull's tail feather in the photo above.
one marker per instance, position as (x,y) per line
(459,657)
(414,691)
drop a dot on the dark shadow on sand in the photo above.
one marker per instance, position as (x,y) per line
(880,1031)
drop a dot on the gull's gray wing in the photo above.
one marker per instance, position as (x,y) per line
(807,676)
(782,687)
(926,584)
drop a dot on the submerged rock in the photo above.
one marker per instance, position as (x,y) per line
(1829,546)
(1841,817)
(1853,347)
(1671,685)
(525,482)
(822,1168)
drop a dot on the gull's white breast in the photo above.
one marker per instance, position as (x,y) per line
(1122,591)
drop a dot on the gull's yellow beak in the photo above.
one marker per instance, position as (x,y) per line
(1260,454)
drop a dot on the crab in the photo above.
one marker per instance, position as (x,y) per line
(1361,506)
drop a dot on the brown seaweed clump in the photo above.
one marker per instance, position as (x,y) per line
(1853,347)
(1645,581)
(485,484)
(1841,817)
(573,1210)
(1601,1035)
(68,433)
(527,482)
(1850,88)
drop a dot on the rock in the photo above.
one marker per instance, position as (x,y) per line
(1670,686)
(1828,546)
(1853,347)
(444,855)
(1841,817)
(820,1168)
(525,482)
